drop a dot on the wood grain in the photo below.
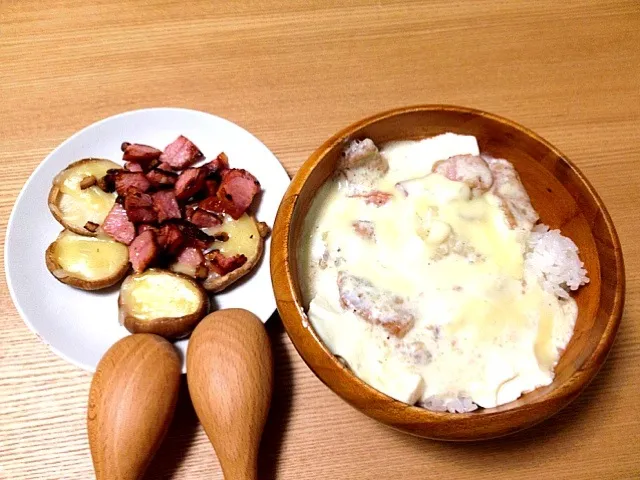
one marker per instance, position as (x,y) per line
(294,73)
(562,197)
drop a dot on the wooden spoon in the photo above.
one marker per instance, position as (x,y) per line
(131,403)
(230,378)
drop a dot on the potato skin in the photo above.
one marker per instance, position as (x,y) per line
(171,328)
(56,270)
(52,199)
(218,284)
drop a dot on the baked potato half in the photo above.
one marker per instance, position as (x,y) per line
(161,302)
(245,237)
(88,263)
(76,201)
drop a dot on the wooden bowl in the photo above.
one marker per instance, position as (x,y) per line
(564,199)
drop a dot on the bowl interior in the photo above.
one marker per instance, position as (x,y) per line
(564,200)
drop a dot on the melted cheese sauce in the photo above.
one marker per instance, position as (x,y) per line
(483,328)
(90,258)
(79,206)
(151,296)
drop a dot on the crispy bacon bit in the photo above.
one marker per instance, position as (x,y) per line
(165,166)
(204,219)
(143,250)
(133,167)
(124,145)
(223,265)
(364,229)
(194,237)
(377,307)
(181,153)
(210,188)
(189,183)
(91,226)
(215,205)
(141,154)
(139,206)
(108,182)
(221,237)
(118,226)
(166,205)
(375,197)
(87,182)
(171,239)
(238,188)
(126,180)
(143,227)
(161,178)
(217,165)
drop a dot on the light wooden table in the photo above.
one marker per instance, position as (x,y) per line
(293,73)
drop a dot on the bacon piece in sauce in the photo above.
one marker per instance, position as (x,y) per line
(238,187)
(118,226)
(374,305)
(143,251)
(166,205)
(189,183)
(364,229)
(126,180)
(222,265)
(181,153)
(143,155)
(161,178)
(469,169)
(376,197)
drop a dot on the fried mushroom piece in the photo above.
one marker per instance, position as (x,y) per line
(161,302)
(87,263)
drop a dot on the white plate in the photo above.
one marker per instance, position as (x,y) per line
(80,326)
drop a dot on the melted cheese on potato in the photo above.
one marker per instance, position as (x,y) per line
(89,258)
(78,206)
(483,330)
(152,295)
(243,234)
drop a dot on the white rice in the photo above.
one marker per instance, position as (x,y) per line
(553,259)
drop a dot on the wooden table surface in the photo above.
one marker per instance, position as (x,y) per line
(293,73)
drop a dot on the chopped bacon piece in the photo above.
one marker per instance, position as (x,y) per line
(189,183)
(166,167)
(108,182)
(139,206)
(161,178)
(194,237)
(376,197)
(217,165)
(166,205)
(171,239)
(143,250)
(238,187)
(126,180)
(181,153)
(204,219)
(133,167)
(364,229)
(140,154)
(210,188)
(143,227)
(190,262)
(469,169)
(118,226)
(223,265)
(378,307)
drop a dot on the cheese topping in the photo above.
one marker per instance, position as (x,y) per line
(243,234)
(90,258)
(484,329)
(152,295)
